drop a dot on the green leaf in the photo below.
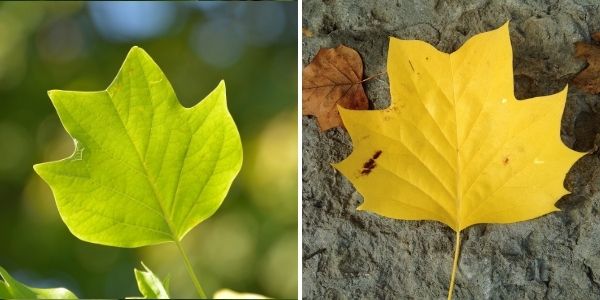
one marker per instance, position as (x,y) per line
(149,285)
(12,289)
(166,282)
(230,294)
(145,169)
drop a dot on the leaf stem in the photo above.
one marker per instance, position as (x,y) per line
(190,271)
(454,265)
(371,77)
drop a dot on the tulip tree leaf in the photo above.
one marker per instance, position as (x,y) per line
(150,285)
(455,145)
(333,77)
(145,169)
(12,289)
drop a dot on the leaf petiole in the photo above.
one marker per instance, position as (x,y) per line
(190,271)
(454,265)
(373,76)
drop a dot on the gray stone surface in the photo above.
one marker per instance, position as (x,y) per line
(357,255)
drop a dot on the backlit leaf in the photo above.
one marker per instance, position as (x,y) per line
(230,294)
(150,285)
(12,289)
(145,170)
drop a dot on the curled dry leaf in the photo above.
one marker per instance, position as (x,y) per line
(589,79)
(334,77)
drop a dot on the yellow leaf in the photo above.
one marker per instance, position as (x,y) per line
(455,145)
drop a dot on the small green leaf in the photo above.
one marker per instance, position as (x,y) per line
(230,294)
(12,289)
(149,285)
(145,170)
(166,282)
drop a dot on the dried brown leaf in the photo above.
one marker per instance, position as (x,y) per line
(334,77)
(306,32)
(589,79)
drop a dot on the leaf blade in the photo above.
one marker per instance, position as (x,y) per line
(12,289)
(333,77)
(149,284)
(455,145)
(230,294)
(134,177)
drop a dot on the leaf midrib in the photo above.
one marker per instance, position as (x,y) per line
(149,179)
(458,161)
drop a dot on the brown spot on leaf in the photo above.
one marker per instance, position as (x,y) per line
(505,161)
(377,153)
(370,164)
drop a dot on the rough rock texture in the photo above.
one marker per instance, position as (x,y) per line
(357,255)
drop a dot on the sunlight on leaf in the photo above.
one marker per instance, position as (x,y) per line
(150,285)
(145,170)
(229,294)
(12,289)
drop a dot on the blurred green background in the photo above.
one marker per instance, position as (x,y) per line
(250,244)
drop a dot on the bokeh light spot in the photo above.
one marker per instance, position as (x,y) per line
(272,179)
(278,279)
(61,41)
(129,20)
(264,21)
(218,42)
